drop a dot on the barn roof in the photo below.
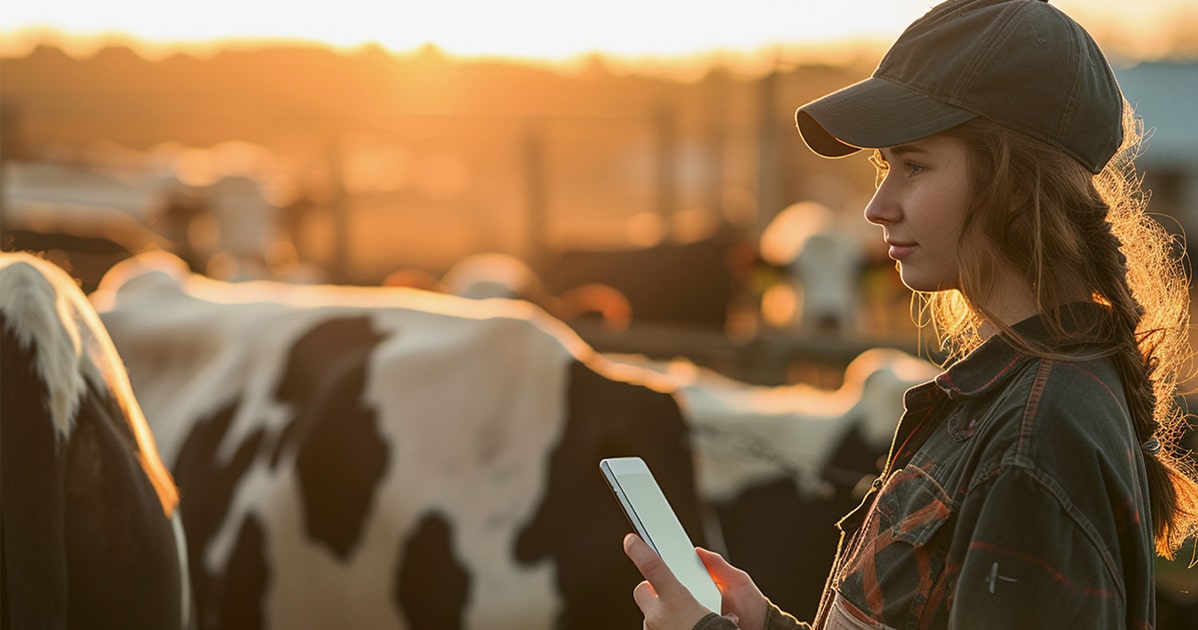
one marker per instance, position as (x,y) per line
(1165,95)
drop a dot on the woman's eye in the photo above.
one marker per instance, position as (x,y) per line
(913,167)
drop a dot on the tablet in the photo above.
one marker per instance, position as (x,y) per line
(652,518)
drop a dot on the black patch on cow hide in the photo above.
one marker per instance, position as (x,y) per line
(124,568)
(340,454)
(86,543)
(243,598)
(578,526)
(431,586)
(205,491)
(31,483)
(787,542)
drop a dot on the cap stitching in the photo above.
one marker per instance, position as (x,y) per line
(951,102)
(1066,111)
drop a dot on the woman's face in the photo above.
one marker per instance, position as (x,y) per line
(920,204)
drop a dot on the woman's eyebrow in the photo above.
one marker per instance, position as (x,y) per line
(906,149)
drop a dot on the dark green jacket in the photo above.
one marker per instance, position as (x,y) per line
(1015,497)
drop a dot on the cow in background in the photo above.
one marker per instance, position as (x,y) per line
(389,458)
(489,275)
(85,218)
(90,537)
(822,259)
(690,284)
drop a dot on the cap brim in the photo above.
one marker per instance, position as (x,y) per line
(873,114)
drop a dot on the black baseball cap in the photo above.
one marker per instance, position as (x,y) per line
(1020,63)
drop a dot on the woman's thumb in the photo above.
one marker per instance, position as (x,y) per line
(717,566)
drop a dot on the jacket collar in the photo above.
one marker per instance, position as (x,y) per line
(993,362)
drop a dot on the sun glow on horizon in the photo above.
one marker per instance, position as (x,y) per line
(523,28)
(546,31)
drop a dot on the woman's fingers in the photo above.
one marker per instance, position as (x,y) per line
(666,603)
(645,596)
(662,581)
(725,575)
(741,598)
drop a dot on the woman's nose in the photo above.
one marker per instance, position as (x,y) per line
(882,207)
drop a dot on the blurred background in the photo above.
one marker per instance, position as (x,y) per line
(632,166)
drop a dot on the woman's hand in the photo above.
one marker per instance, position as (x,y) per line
(743,602)
(666,603)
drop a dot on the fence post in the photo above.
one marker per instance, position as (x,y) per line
(716,89)
(665,121)
(9,148)
(768,176)
(535,194)
(339,210)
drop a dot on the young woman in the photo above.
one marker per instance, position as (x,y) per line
(1032,483)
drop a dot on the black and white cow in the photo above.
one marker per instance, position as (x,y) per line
(397,458)
(389,458)
(822,256)
(89,535)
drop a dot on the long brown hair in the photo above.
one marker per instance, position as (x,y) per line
(1039,211)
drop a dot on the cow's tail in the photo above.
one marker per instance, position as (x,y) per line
(187,610)
(33,571)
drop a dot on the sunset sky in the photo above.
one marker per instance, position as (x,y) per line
(542,29)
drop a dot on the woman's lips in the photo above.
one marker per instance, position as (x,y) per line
(899,251)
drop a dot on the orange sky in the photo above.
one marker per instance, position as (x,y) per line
(553,30)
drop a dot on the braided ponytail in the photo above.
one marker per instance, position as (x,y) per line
(1039,210)
(1153,343)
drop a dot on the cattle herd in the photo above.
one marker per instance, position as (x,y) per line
(180,452)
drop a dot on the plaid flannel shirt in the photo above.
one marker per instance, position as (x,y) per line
(1015,497)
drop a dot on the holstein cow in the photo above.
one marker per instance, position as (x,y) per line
(823,257)
(398,458)
(89,535)
(389,458)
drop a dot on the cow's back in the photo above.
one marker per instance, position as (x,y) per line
(87,539)
(389,458)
